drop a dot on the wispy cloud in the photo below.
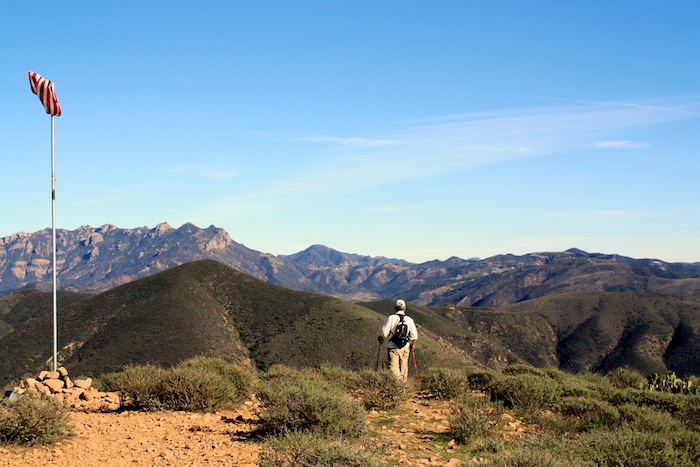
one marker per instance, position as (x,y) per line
(620,144)
(453,143)
(450,143)
(349,141)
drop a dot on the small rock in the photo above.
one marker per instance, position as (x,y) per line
(83,383)
(55,385)
(89,394)
(28,383)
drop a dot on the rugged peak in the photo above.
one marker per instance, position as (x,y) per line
(220,240)
(162,228)
(106,228)
(14,237)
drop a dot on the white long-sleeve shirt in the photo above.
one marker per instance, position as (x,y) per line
(390,327)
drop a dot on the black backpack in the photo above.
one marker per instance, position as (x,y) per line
(401,334)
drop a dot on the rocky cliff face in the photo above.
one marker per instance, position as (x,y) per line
(104,257)
(97,259)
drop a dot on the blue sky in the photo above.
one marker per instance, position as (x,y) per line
(415,130)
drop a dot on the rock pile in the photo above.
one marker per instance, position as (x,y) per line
(78,394)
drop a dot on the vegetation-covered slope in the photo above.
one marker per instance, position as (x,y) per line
(204,308)
(580,332)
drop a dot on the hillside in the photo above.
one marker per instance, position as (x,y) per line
(97,259)
(201,308)
(581,332)
(207,308)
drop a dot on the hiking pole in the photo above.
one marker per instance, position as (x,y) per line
(376,364)
(415,367)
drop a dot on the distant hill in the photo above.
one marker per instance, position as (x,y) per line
(201,308)
(97,259)
(207,308)
(576,332)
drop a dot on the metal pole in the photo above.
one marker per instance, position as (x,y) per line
(53,243)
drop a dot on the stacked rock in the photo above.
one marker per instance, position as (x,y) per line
(78,394)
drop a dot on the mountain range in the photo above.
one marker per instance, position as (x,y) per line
(207,308)
(160,295)
(98,259)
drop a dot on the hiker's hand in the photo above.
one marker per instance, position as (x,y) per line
(413,346)
(380,339)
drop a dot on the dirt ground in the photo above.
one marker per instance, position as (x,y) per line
(147,439)
(413,434)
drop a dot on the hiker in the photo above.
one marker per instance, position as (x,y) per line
(398,351)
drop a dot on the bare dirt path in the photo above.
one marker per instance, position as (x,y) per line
(417,433)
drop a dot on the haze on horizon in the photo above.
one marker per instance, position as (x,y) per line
(401,129)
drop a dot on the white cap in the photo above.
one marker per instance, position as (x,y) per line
(400,305)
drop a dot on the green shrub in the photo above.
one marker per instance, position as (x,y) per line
(590,413)
(380,389)
(689,412)
(526,392)
(523,369)
(645,419)
(446,383)
(481,380)
(31,420)
(193,389)
(625,378)
(542,450)
(298,401)
(473,419)
(525,457)
(305,449)
(664,401)
(339,376)
(640,449)
(688,443)
(238,380)
(199,384)
(558,375)
(575,387)
(138,384)
(376,389)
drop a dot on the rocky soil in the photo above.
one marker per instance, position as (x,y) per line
(126,438)
(413,434)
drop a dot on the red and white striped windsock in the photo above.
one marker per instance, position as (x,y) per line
(43,88)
